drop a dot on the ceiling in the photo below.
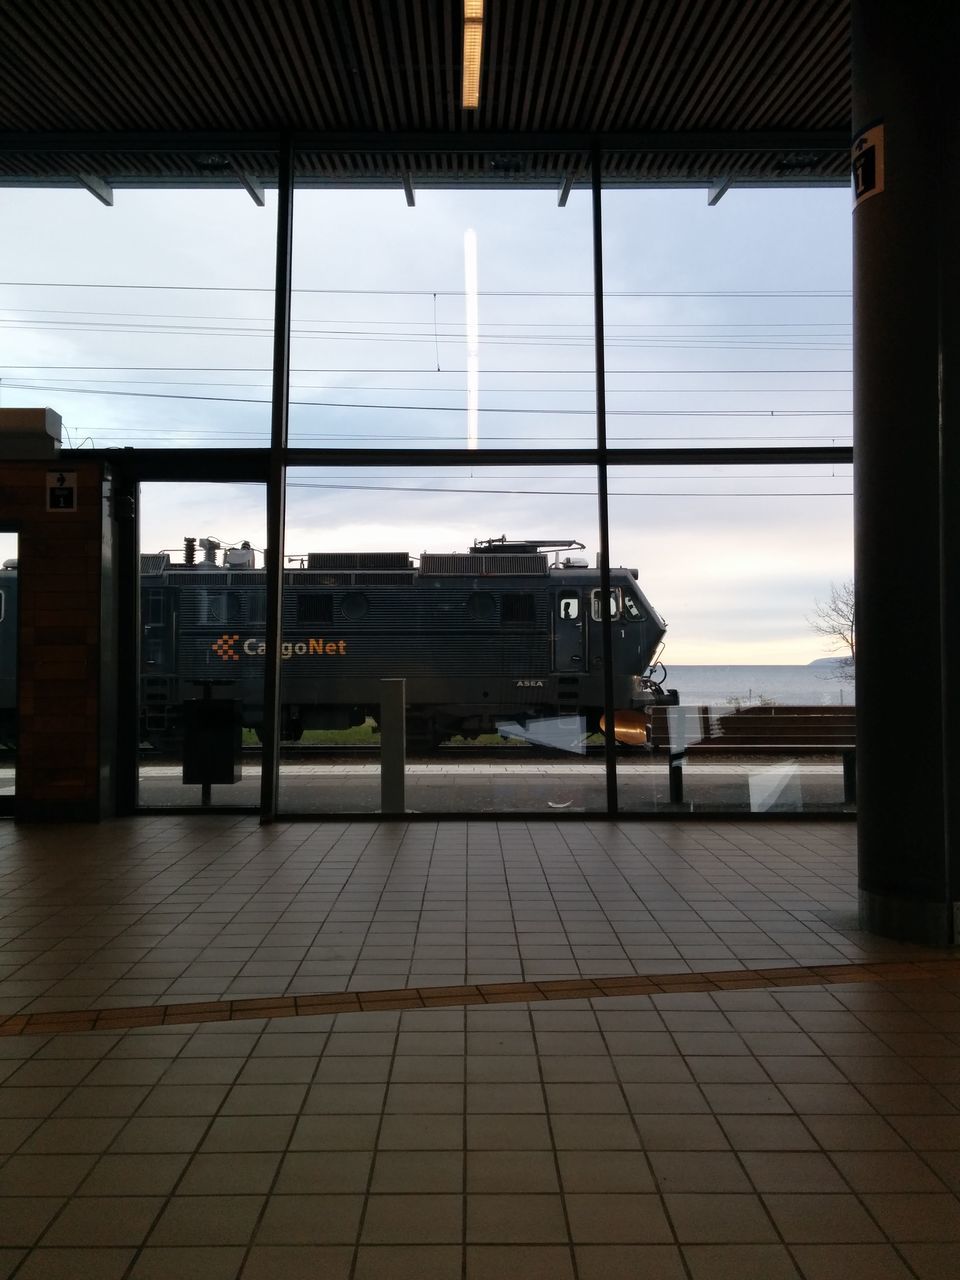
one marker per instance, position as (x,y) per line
(110,93)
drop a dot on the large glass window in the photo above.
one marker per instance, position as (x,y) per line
(472,586)
(464,319)
(749,700)
(202,593)
(9,629)
(463,322)
(728,325)
(148,323)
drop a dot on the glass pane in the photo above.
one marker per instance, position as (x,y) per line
(154,322)
(8,667)
(471,586)
(727,325)
(740,559)
(466,321)
(202,594)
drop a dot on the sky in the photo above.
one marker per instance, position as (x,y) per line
(150,323)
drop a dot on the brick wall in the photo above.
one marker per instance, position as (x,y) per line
(59,577)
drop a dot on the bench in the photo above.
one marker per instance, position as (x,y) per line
(692,731)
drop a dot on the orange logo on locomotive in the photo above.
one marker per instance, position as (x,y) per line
(317,646)
(224,648)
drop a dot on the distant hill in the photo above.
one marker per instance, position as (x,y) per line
(828,662)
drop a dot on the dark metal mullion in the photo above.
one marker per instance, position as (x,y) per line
(606,625)
(277,488)
(129,691)
(252,466)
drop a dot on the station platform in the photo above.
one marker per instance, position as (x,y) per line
(361,1050)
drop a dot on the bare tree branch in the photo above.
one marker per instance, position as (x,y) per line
(834,619)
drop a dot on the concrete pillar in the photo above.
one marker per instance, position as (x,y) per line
(907,463)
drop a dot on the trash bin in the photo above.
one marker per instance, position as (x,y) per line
(212,731)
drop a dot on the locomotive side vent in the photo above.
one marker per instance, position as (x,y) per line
(383,579)
(358,560)
(483,565)
(311,580)
(198,578)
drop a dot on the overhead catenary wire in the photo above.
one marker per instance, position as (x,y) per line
(440,293)
(433,408)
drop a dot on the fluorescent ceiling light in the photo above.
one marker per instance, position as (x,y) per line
(472,49)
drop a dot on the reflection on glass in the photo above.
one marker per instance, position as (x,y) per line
(738,559)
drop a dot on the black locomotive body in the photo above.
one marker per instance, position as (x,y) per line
(495,635)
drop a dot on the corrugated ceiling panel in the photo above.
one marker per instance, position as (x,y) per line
(588,67)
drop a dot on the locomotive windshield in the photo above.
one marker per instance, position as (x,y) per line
(596,607)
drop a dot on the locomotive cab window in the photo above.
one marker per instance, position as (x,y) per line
(153,609)
(568,605)
(596,606)
(631,610)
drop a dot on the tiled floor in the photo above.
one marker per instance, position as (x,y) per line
(757,1134)
(173,909)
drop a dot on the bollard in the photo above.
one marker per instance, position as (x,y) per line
(393,746)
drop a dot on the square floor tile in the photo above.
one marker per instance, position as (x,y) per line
(44,1175)
(719,1219)
(858,1262)
(519,1172)
(698,1171)
(792,1171)
(73,1264)
(413,1219)
(505,1219)
(517,1262)
(310,1219)
(136,1174)
(298,1262)
(248,1133)
(101,1221)
(406,1262)
(25,1217)
(628,1262)
(417,1171)
(508,1132)
(188,1263)
(822,1219)
(914,1216)
(740,1262)
(236,1173)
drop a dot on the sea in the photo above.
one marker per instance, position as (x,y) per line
(818,684)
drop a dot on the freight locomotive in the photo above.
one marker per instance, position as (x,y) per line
(505,637)
(507,633)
